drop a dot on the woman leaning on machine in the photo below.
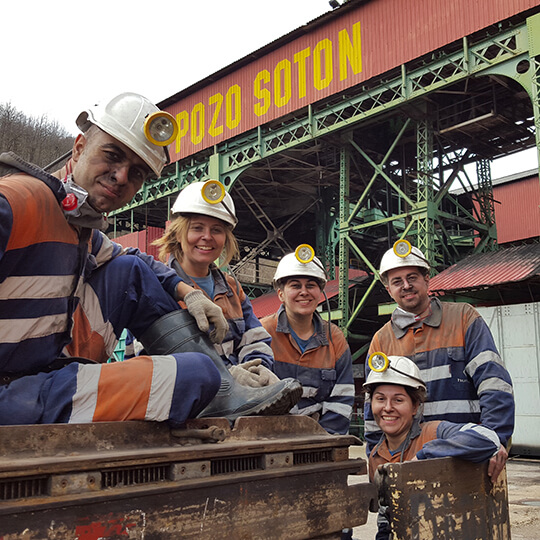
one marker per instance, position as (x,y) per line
(200,233)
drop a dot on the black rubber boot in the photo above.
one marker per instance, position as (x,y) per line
(178,332)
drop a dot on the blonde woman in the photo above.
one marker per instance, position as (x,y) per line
(200,233)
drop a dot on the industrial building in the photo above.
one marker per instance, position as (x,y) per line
(359,128)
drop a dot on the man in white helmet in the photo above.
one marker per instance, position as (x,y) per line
(67,291)
(454,349)
(309,349)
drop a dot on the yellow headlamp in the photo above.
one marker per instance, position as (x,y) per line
(378,362)
(213,192)
(402,248)
(304,253)
(160,128)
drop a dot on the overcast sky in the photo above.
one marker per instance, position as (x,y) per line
(59,56)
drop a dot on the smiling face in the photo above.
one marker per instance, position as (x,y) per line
(300,296)
(409,288)
(202,244)
(107,169)
(393,410)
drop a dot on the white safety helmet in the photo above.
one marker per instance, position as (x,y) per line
(123,118)
(400,371)
(290,266)
(191,201)
(390,261)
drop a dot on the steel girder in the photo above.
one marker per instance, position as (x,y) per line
(496,54)
(233,156)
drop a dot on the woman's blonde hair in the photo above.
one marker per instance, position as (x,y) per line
(176,234)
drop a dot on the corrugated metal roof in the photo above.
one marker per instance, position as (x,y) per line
(269,303)
(488,269)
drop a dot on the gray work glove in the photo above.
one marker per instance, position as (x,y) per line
(266,377)
(253,374)
(204,311)
(244,376)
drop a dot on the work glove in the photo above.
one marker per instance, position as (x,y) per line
(204,311)
(253,374)
(266,377)
(244,376)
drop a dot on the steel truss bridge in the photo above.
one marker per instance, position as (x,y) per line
(353,173)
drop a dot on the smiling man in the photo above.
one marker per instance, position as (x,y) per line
(454,349)
(108,170)
(67,291)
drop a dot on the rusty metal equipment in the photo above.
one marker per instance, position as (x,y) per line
(444,499)
(264,478)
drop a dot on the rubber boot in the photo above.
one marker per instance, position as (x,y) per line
(178,332)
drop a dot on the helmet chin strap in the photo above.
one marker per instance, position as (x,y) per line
(230,211)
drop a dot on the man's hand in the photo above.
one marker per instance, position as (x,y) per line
(497,463)
(204,311)
(253,374)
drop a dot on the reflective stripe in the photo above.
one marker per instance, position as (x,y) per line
(306,411)
(224,349)
(435,373)
(484,431)
(483,358)
(338,408)
(85,397)
(440,408)
(105,253)
(494,384)
(371,426)
(36,287)
(161,392)
(252,335)
(259,347)
(343,390)
(309,391)
(17,330)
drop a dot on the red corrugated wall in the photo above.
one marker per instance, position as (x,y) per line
(352,48)
(518,214)
(142,240)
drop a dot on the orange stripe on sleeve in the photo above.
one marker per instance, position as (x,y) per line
(124,389)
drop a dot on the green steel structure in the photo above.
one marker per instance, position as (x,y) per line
(380,162)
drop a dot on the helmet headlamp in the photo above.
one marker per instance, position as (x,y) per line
(213,192)
(304,253)
(378,362)
(402,248)
(160,128)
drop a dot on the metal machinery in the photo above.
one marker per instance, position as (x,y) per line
(445,498)
(266,477)
(375,162)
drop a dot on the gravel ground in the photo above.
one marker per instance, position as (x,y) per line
(523,495)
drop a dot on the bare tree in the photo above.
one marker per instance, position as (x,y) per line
(35,139)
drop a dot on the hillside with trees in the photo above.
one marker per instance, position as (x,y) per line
(35,139)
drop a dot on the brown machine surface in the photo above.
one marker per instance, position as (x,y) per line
(266,477)
(445,499)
